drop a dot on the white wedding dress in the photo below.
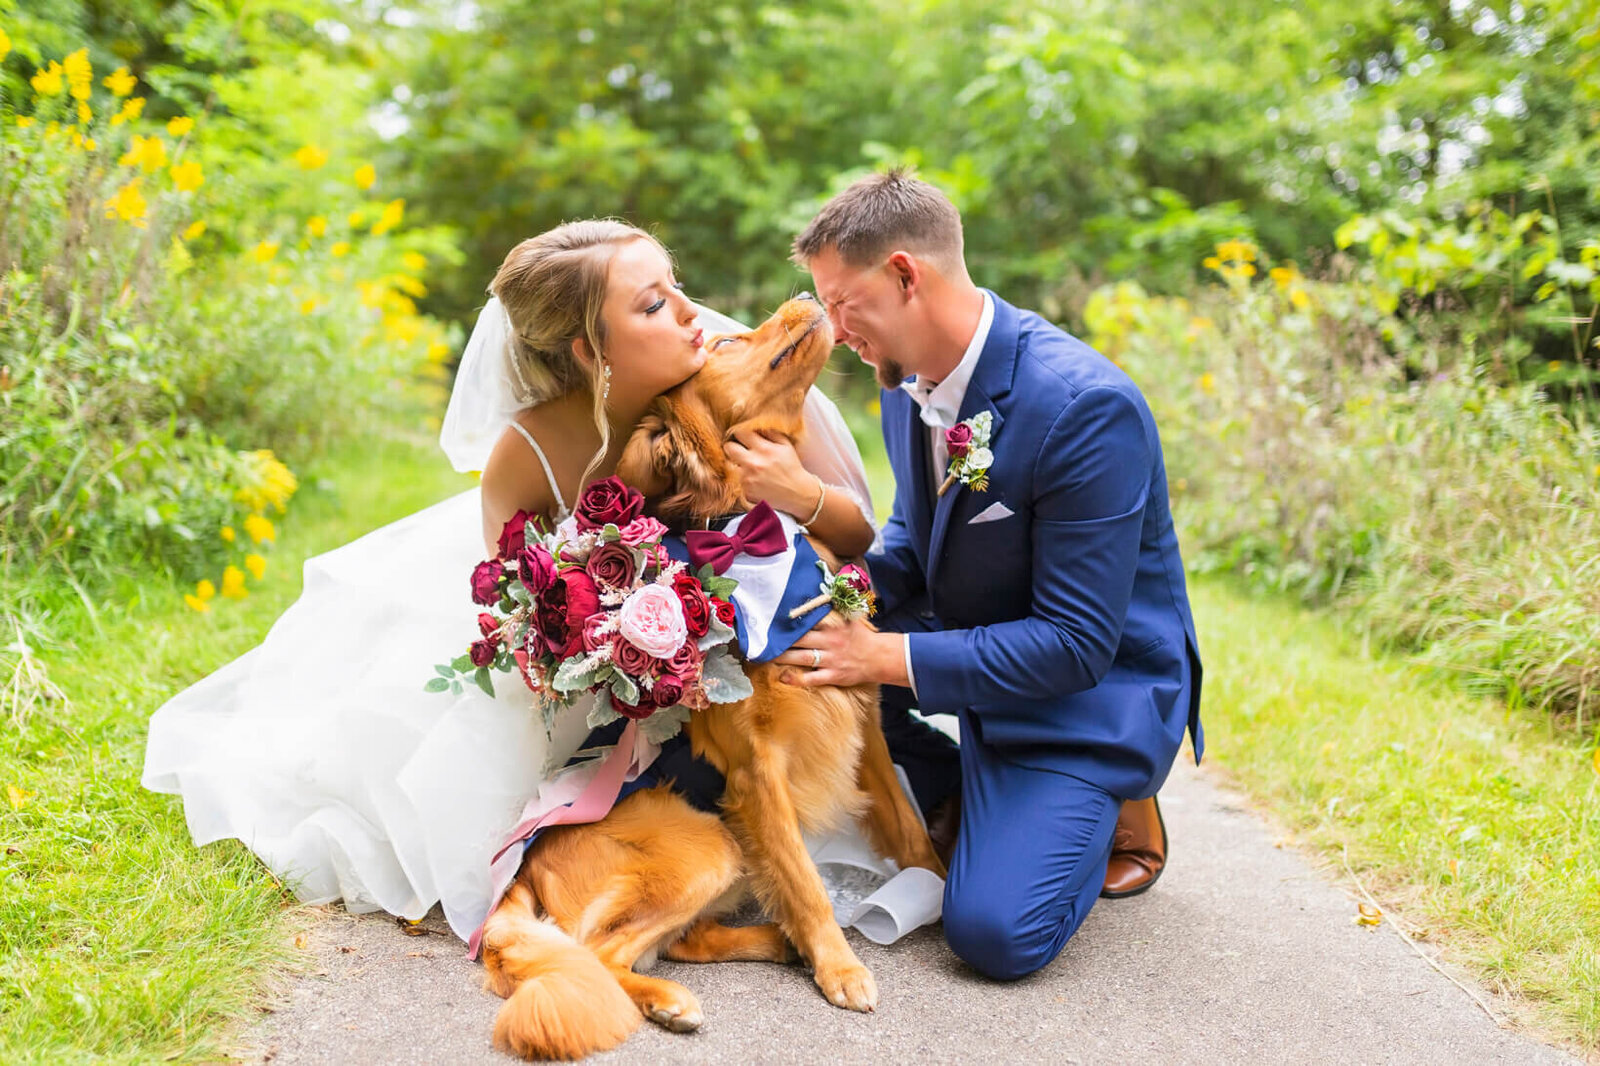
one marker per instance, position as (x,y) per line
(320,750)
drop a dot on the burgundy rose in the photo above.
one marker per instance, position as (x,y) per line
(667,691)
(483,652)
(856,578)
(612,564)
(631,658)
(562,610)
(536,567)
(685,662)
(642,530)
(725,612)
(644,710)
(486,582)
(696,604)
(592,637)
(957,439)
(488,625)
(608,502)
(513,535)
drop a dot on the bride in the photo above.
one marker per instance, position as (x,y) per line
(319,748)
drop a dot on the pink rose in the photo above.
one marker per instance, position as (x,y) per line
(652,619)
(957,439)
(644,709)
(592,637)
(608,502)
(630,658)
(536,567)
(563,608)
(486,582)
(612,564)
(667,691)
(514,535)
(643,530)
(856,578)
(483,652)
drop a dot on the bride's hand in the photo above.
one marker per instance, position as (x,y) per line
(771,471)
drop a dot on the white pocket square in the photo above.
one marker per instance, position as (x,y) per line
(992,513)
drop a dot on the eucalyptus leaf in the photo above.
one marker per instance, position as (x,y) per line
(601,714)
(445,671)
(436,684)
(665,724)
(481,676)
(724,680)
(572,676)
(462,663)
(625,689)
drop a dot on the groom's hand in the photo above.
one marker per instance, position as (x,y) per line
(851,654)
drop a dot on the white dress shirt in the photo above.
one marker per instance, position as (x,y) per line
(940,403)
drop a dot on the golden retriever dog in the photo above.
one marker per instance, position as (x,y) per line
(592,901)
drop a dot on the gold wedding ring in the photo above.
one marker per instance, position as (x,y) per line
(816,659)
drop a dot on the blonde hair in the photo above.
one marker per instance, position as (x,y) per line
(553,287)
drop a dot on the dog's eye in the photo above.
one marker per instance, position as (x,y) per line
(725,340)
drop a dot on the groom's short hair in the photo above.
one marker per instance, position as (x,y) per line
(885,213)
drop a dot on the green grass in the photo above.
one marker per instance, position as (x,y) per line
(1477,824)
(120,940)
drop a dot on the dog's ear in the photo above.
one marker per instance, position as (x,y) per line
(646,458)
(675,458)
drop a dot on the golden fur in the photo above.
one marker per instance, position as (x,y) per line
(592,901)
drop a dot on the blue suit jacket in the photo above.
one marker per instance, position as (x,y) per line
(1067,635)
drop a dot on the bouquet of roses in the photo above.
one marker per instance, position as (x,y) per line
(598,604)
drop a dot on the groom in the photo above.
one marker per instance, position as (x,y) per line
(1046,609)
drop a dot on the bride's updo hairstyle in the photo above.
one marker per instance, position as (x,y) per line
(553,287)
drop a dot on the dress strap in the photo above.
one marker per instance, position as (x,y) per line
(555,489)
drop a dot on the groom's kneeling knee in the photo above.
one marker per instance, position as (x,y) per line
(996,944)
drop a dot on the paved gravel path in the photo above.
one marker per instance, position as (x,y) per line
(1241,954)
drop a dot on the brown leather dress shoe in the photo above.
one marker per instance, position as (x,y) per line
(1138,849)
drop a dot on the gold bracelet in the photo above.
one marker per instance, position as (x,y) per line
(822,497)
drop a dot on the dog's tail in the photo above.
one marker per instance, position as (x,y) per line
(561,1001)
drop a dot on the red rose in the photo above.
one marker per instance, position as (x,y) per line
(488,625)
(957,438)
(612,564)
(644,710)
(667,691)
(725,612)
(486,582)
(608,502)
(856,578)
(696,605)
(536,568)
(483,652)
(685,662)
(514,535)
(562,610)
(630,658)
(592,637)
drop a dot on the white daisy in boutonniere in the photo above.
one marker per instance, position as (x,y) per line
(970,457)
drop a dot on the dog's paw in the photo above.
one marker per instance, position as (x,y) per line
(679,1012)
(849,986)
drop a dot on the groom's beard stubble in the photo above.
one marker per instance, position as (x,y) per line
(889,374)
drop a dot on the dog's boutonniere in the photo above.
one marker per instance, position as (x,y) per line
(970,457)
(849,591)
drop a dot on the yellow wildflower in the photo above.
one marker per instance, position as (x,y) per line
(1554,365)
(270,484)
(5,44)
(149,154)
(1298,297)
(309,304)
(1247,270)
(196,603)
(180,126)
(90,143)
(1283,277)
(393,212)
(47,82)
(365,176)
(260,529)
(80,75)
(317,225)
(264,251)
(340,249)
(1238,251)
(255,564)
(1211,262)
(310,157)
(132,108)
(186,177)
(85,116)
(1199,324)
(194,230)
(204,590)
(438,352)
(1208,383)
(228,534)
(18,797)
(414,262)
(129,204)
(24,122)
(356,218)
(233,583)
(120,82)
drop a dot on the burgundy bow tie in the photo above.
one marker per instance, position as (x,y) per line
(761,533)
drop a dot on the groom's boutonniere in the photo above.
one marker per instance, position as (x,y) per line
(970,457)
